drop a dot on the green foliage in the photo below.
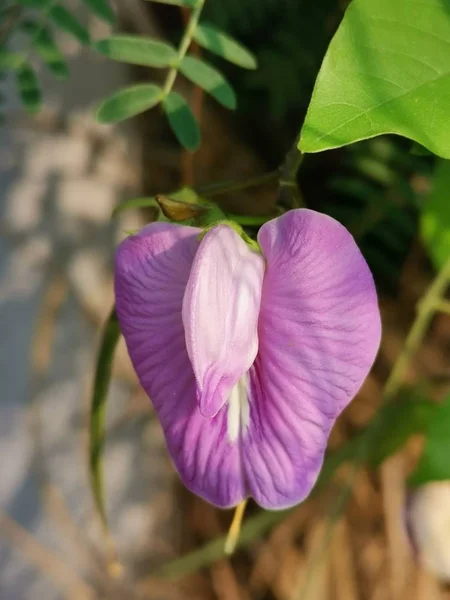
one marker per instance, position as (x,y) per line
(102,9)
(10,61)
(131,49)
(387,70)
(129,102)
(137,50)
(37,25)
(103,371)
(70,24)
(42,41)
(210,79)
(218,42)
(182,121)
(434,464)
(435,217)
(373,197)
(29,88)
(153,53)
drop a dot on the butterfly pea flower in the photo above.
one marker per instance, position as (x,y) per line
(248,356)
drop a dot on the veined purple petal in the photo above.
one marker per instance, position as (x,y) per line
(220,315)
(151,274)
(319,333)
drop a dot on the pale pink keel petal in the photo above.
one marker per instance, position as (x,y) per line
(151,273)
(220,314)
(319,333)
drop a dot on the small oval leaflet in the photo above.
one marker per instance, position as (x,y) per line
(224,45)
(209,79)
(137,50)
(45,46)
(182,121)
(129,102)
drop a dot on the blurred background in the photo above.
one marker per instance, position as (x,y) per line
(61,175)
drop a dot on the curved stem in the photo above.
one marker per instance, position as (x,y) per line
(288,176)
(184,46)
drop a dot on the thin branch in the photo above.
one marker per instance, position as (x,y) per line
(184,46)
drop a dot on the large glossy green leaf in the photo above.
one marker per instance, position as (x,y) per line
(68,23)
(29,88)
(434,464)
(209,79)
(182,121)
(137,50)
(102,9)
(387,70)
(129,102)
(435,217)
(44,44)
(102,379)
(221,43)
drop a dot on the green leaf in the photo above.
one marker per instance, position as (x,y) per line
(11,60)
(435,217)
(137,50)
(221,43)
(103,371)
(44,44)
(129,102)
(434,464)
(182,121)
(102,9)
(209,79)
(387,70)
(68,23)
(29,89)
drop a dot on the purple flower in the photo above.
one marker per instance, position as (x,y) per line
(248,359)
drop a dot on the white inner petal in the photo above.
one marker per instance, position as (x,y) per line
(238,405)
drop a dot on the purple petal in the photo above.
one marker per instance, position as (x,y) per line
(319,333)
(151,273)
(220,314)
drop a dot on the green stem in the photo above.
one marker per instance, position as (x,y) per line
(427,307)
(288,178)
(443,306)
(251,221)
(184,46)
